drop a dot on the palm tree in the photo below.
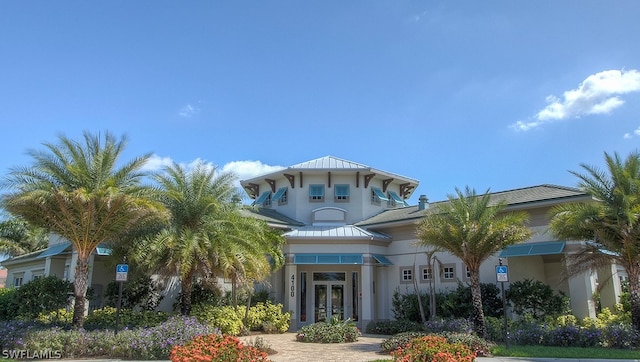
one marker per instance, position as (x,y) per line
(206,236)
(18,237)
(472,229)
(80,192)
(612,224)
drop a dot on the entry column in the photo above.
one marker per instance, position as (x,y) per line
(367,297)
(291,292)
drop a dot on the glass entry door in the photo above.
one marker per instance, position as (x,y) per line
(328,295)
(328,301)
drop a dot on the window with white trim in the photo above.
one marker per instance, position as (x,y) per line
(448,273)
(406,275)
(426,273)
(341,193)
(316,193)
(18,280)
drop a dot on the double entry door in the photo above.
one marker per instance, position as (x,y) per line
(328,296)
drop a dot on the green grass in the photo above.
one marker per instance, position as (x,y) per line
(564,352)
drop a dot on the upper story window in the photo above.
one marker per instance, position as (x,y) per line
(341,193)
(280,196)
(264,199)
(377,196)
(395,200)
(316,192)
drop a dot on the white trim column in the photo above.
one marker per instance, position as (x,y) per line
(367,297)
(291,291)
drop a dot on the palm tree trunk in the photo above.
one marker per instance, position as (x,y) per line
(80,286)
(476,300)
(187,287)
(634,294)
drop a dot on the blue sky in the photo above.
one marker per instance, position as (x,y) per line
(490,94)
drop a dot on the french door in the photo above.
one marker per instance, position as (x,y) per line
(328,296)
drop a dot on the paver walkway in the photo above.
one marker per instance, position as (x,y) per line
(367,348)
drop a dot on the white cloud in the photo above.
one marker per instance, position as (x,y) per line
(188,111)
(155,163)
(631,135)
(249,169)
(243,170)
(597,94)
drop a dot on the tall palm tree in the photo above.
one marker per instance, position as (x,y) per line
(81,192)
(206,236)
(18,237)
(611,224)
(469,227)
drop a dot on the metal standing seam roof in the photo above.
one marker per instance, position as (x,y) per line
(335,232)
(329,162)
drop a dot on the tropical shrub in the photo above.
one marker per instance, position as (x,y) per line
(57,317)
(534,298)
(433,349)
(393,327)
(141,293)
(406,306)
(433,326)
(105,318)
(267,316)
(8,306)
(215,347)
(226,318)
(41,295)
(334,331)
(457,303)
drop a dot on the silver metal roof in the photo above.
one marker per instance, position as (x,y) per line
(335,232)
(329,162)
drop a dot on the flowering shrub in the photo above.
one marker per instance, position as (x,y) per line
(226,318)
(263,316)
(106,318)
(268,315)
(334,331)
(13,333)
(146,344)
(476,344)
(216,347)
(433,349)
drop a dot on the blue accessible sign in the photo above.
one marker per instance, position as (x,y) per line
(121,272)
(501,273)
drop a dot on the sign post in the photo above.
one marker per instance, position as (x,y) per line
(502,275)
(121,276)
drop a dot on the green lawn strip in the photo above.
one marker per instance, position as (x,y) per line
(564,352)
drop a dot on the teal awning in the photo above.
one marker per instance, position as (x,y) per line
(55,249)
(530,249)
(380,194)
(279,194)
(381,259)
(262,198)
(103,250)
(328,259)
(396,198)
